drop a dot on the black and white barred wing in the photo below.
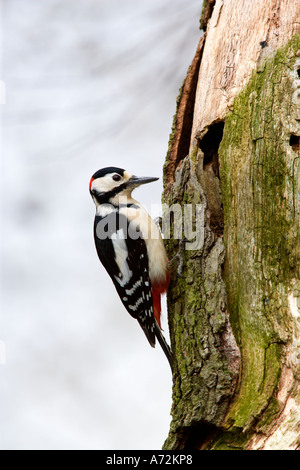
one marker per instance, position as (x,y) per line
(126,261)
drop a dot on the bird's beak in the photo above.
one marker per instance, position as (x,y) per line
(135,181)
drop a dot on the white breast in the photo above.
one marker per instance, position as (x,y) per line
(158,261)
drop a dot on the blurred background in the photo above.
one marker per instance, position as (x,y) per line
(89,84)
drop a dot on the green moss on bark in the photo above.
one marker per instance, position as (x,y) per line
(259,171)
(262,234)
(198,320)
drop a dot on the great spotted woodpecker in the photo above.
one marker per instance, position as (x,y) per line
(131,249)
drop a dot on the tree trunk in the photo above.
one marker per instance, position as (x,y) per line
(234,151)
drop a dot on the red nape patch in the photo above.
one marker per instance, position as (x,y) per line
(92,179)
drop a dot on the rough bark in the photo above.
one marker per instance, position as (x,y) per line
(235,151)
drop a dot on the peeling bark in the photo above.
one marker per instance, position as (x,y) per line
(180,137)
(234,315)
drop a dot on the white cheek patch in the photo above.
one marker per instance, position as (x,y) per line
(105,184)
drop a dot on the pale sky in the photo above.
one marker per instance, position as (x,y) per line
(89,84)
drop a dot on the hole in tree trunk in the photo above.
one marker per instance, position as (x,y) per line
(198,435)
(209,145)
(210,178)
(295,142)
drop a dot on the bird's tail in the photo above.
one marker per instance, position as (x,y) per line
(165,347)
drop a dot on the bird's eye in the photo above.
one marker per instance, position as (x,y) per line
(116,177)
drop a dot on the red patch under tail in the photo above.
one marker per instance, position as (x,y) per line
(156,305)
(157,291)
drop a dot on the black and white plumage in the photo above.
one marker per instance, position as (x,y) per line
(130,247)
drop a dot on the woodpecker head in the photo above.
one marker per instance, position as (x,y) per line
(110,184)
